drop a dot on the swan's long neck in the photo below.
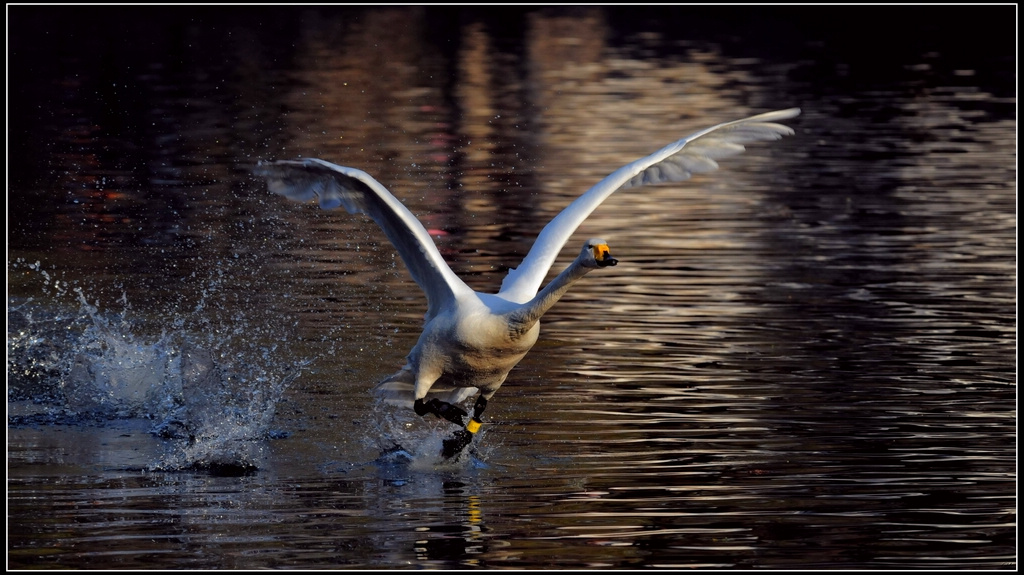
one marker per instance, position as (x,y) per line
(530,313)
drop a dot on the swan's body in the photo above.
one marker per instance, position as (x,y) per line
(471,340)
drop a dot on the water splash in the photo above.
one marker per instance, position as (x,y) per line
(412,441)
(211,396)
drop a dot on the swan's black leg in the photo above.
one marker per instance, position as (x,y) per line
(479,407)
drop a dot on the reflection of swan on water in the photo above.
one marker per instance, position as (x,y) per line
(471,340)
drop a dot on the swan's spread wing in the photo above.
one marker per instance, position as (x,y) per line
(693,154)
(333,186)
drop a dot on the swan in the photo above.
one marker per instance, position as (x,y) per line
(472,340)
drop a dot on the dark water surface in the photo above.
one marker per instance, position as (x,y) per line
(804,360)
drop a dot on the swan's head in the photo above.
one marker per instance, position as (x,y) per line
(596,254)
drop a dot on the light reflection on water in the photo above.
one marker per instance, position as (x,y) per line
(804,360)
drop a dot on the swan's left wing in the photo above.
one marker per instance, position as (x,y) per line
(693,154)
(333,186)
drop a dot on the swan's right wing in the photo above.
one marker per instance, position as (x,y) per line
(333,186)
(693,154)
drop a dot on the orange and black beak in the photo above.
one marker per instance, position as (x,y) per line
(603,256)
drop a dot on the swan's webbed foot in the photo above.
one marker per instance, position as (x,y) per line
(460,439)
(463,437)
(441,409)
(456,443)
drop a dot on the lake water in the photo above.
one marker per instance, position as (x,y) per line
(805,360)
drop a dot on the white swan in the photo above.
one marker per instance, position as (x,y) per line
(471,340)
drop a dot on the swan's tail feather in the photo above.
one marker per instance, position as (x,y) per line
(397,390)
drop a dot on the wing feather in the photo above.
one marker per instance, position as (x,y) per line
(694,154)
(333,186)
